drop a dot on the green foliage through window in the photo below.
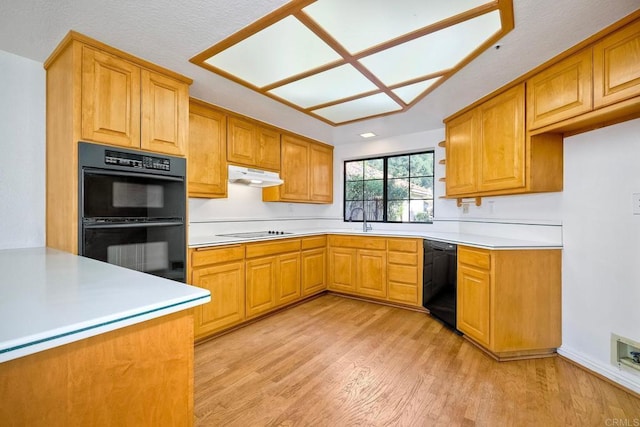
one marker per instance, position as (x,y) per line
(389,189)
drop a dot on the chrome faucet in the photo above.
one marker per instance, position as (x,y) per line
(365,227)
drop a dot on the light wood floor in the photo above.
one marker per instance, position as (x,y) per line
(335,361)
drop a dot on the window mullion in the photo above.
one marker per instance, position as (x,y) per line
(384,190)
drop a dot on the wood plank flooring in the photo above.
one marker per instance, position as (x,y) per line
(335,361)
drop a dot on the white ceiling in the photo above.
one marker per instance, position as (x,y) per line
(169,32)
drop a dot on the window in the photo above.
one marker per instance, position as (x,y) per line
(389,189)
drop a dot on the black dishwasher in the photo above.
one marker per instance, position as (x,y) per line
(440,280)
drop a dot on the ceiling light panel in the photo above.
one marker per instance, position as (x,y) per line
(434,52)
(363,107)
(409,93)
(285,49)
(347,60)
(337,83)
(361,24)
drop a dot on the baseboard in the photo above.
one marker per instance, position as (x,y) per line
(608,372)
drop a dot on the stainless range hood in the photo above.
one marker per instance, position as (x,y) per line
(253,177)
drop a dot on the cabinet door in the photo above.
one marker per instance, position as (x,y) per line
(342,269)
(461,154)
(288,278)
(110,99)
(240,142)
(207,166)
(226,284)
(261,279)
(501,149)
(473,305)
(268,156)
(371,275)
(165,114)
(561,91)
(616,66)
(313,271)
(295,169)
(321,173)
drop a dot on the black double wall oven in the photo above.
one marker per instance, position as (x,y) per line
(132,208)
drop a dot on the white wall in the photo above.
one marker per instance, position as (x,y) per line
(601,258)
(22,160)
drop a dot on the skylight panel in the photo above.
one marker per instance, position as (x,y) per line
(285,49)
(361,24)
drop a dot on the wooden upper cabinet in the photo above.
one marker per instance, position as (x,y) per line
(616,66)
(562,91)
(252,145)
(268,148)
(487,149)
(207,165)
(321,173)
(110,99)
(502,141)
(130,106)
(461,154)
(307,171)
(240,142)
(295,169)
(165,114)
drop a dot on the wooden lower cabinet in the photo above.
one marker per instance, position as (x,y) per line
(314,265)
(375,267)
(371,273)
(474,303)
(273,275)
(287,278)
(404,271)
(509,301)
(261,279)
(342,269)
(222,272)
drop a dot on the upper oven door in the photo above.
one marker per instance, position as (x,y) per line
(117,195)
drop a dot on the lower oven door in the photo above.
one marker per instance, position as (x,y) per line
(154,248)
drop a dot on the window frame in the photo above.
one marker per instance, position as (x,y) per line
(385,179)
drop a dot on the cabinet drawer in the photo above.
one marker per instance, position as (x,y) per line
(314,242)
(403,273)
(202,257)
(404,293)
(272,248)
(402,258)
(476,257)
(358,242)
(403,245)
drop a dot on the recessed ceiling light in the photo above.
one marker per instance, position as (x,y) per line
(342,61)
(367,135)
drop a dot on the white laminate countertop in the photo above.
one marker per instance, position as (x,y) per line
(49,298)
(479,241)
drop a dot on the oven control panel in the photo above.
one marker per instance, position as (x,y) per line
(139,161)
